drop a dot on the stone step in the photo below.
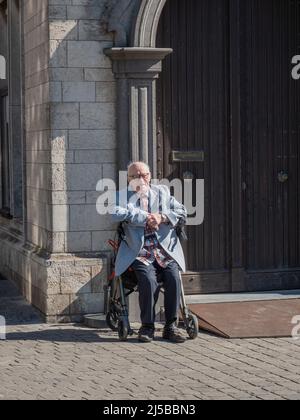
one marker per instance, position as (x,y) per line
(97,321)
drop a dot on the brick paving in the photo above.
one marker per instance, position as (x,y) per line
(39,361)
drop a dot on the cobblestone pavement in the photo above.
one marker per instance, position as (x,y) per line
(39,361)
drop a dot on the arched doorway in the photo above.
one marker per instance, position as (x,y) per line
(227,91)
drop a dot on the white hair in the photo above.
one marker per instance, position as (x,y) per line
(130,165)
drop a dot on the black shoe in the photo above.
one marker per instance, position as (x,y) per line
(146,334)
(172,334)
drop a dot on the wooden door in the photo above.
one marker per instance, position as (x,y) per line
(270,136)
(193,116)
(227,91)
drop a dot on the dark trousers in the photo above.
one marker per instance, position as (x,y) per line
(149,288)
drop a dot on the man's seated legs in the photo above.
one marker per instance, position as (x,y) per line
(148,295)
(171,282)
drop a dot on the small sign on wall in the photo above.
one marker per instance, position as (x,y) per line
(2,68)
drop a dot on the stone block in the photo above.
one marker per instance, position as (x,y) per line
(38,156)
(110,171)
(38,140)
(68,197)
(85,10)
(99,75)
(39,215)
(106,92)
(76,280)
(65,116)
(57,12)
(100,240)
(88,54)
(38,175)
(92,139)
(99,278)
(58,305)
(58,53)
(49,280)
(83,177)
(92,197)
(62,156)
(97,116)
(60,218)
(56,241)
(59,141)
(37,59)
(37,118)
(36,79)
(63,29)
(93,30)
(37,95)
(58,178)
(86,218)
(37,36)
(55,92)
(78,241)
(87,303)
(66,74)
(79,92)
(95,156)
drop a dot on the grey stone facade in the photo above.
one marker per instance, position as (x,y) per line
(84,105)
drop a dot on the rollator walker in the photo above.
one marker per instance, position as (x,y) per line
(119,288)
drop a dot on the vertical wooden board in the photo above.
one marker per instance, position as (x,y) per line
(271,134)
(194,94)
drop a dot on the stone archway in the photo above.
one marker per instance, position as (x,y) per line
(144,34)
(137,66)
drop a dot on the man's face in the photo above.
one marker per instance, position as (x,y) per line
(139,178)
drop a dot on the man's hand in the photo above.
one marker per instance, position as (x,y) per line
(154,221)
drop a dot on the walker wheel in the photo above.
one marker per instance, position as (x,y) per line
(112,321)
(123,330)
(193,327)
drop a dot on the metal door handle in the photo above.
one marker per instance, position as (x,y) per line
(283,176)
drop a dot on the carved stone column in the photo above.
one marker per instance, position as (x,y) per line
(136,70)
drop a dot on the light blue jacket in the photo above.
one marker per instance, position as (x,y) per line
(128,211)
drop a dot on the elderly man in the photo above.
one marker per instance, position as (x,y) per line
(151,247)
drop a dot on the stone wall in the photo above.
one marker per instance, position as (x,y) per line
(83,123)
(71,141)
(62,287)
(61,261)
(37,122)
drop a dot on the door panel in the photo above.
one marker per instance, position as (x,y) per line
(227,90)
(194,116)
(270,134)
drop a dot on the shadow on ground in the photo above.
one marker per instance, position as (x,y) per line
(61,336)
(14,308)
